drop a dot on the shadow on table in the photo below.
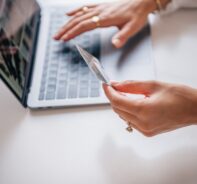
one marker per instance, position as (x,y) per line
(11,116)
(174,26)
(124,166)
(67,110)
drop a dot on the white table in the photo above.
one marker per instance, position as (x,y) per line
(90,145)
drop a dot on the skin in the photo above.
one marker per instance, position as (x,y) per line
(165,107)
(129,16)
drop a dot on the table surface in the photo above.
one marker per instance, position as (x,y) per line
(73,145)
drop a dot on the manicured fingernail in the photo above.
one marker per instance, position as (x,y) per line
(65,37)
(116,42)
(56,36)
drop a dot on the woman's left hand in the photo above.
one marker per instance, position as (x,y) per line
(129,16)
(165,107)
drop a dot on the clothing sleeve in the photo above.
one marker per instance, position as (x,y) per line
(177,4)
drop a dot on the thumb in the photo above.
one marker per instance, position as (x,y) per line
(124,34)
(137,87)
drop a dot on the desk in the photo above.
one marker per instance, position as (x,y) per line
(90,145)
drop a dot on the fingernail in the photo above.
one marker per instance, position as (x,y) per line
(65,37)
(113,82)
(56,36)
(116,42)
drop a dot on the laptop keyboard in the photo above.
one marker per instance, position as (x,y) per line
(65,74)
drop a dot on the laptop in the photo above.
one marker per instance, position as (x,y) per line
(43,73)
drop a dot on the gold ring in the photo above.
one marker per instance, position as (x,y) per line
(85,9)
(129,128)
(96,20)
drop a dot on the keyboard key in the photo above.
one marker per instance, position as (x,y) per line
(63,63)
(52,80)
(51,88)
(83,64)
(93,78)
(54,65)
(74,67)
(61,93)
(73,75)
(42,89)
(83,93)
(63,76)
(41,96)
(95,84)
(53,74)
(73,81)
(50,96)
(84,84)
(65,73)
(94,93)
(72,92)
(43,81)
(62,82)
(84,77)
(84,70)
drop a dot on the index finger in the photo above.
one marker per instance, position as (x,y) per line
(73,12)
(120,101)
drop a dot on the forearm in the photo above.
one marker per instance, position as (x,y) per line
(153,5)
(193,99)
(187,104)
(173,5)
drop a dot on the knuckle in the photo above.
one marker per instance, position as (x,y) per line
(78,14)
(81,26)
(148,133)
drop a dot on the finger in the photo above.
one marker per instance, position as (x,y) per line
(81,13)
(72,23)
(130,120)
(137,87)
(120,101)
(82,27)
(73,12)
(125,33)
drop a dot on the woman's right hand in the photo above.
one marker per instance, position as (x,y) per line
(129,16)
(165,107)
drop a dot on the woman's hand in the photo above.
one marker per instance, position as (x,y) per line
(165,107)
(129,16)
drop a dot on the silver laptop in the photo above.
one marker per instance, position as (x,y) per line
(42,72)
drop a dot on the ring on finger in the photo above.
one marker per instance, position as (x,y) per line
(129,128)
(85,9)
(96,20)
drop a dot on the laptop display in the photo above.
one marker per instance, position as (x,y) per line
(18,19)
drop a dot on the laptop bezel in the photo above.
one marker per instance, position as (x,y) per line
(32,58)
(25,92)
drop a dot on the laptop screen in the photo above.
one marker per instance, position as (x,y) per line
(18,22)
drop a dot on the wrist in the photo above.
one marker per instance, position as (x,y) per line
(194,109)
(191,107)
(154,5)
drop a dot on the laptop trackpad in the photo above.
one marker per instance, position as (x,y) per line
(132,62)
